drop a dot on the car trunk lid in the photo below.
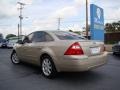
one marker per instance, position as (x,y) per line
(91,48)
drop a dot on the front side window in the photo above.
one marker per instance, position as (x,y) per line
(28,39)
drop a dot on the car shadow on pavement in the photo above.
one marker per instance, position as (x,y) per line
(82,77)
(66,77)
(117,56)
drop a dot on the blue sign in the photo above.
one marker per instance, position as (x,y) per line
(97,22)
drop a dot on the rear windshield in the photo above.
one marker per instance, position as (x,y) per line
(66,35)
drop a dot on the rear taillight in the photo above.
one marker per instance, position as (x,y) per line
(74,49)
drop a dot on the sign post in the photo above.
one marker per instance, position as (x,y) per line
(97,23)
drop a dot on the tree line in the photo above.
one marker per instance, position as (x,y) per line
(112,27)
(109,28)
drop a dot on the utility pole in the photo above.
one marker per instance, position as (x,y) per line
(18,32)
(59,21)
(87,19)
(20,16)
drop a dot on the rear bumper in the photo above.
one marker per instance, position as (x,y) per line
(117,52)
(10,46)
(116,49)
(83,64)
(4,45)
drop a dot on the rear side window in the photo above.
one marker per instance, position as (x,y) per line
(48,37)
(39,37)
(42,37)
(66,36)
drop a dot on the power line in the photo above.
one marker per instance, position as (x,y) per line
(59,22)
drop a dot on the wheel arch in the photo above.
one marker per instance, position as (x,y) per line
(13,50)
(52,57)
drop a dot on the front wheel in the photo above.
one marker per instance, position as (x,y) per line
(48,67)
(14,58)
(114,53)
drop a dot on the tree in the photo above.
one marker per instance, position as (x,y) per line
(84,28)
(77,32)
(112,27)
(10,35)
(70,31)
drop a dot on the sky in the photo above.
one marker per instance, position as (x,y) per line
(44,14)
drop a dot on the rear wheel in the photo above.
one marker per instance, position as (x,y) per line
(14,58)
(114,53)
(48,67)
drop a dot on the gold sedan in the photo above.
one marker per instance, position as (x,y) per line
(58,51)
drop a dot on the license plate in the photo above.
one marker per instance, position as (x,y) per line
(95,50)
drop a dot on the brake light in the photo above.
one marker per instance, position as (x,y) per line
(74,49)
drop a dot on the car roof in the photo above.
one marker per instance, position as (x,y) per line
(51,31)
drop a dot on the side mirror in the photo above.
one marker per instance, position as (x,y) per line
(20,42)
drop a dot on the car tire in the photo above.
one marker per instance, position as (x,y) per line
(47,67)
(114,53)
(14,58)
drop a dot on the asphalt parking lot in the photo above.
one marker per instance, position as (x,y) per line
(27,77)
